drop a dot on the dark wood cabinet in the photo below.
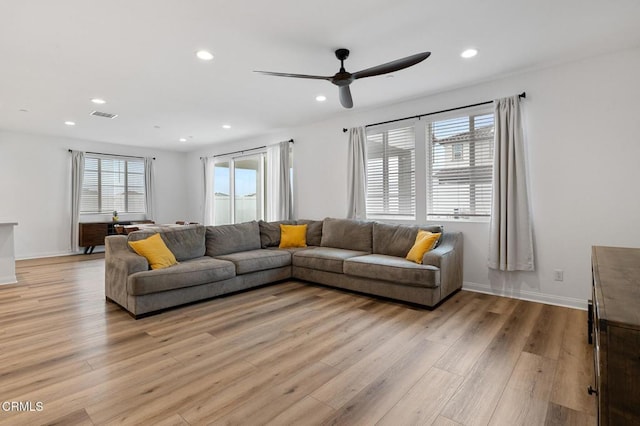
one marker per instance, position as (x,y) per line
(616,334)
(92,234)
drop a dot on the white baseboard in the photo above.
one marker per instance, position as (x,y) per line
(8,279)
(56,254)
(531,296)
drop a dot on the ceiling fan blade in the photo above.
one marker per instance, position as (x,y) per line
(392,66)
(345,96)
(283,74)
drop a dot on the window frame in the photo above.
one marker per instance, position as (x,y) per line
(385,128)
(423,165)
(261,195)
(469,113)
(100,177)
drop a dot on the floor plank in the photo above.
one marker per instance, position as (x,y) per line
(558,415)
(422,404)
(474,402)
(575,367)
(369,405)
(525,399)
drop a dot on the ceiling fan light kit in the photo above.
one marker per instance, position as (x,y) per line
(343,78)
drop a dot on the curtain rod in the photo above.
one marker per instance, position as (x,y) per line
(521,95)
(243,150)
(113,155)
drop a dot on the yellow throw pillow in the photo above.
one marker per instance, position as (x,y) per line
(425,241)
(155,251)
(293,236)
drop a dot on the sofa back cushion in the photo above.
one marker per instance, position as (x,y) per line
(185,242)
(270,232)
(347,234)
(397,240)
(314,231)
(226,239)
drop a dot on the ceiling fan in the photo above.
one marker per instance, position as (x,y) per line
(343,78)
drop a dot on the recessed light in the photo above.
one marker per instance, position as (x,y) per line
(469,53)
(70,123)
(321,98)
(226,126)
(182,139)
(98,101)
(205,55)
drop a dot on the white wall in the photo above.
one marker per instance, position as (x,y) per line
(35,188)
(582,126)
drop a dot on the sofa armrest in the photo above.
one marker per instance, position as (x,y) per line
(120,262)
(448,257)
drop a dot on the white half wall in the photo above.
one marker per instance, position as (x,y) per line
(35,188)
(582,132)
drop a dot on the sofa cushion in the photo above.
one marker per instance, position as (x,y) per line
(270,232)
(397,240)
(393,269)
(185,274)
(324,258)
(347,234)
(155,251)
(293,236)
(425,241)
(314,231)
(225,239)
(257,260)
(185,242)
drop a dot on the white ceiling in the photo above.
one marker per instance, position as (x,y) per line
(140,56)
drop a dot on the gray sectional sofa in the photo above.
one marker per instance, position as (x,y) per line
(367,257)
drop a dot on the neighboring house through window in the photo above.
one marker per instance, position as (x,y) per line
(460,166)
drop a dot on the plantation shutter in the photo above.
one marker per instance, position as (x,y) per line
(90,196)
(461,161)
(113,184)
(391,189)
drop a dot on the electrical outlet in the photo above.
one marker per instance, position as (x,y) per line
(558,275)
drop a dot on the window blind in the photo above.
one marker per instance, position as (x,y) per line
(391,185)
(461,165)
(113,184)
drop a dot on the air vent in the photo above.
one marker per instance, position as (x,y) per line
(103,114)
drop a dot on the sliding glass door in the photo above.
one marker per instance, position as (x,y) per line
(222,193)
(239,189)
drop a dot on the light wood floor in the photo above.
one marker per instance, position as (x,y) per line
(288,354)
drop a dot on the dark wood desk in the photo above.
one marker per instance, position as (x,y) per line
(93,234)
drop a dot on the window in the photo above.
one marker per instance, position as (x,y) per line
(455,167)
(239,179)
(460,170)
(391,189)
(112,183)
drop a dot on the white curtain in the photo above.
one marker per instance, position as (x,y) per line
(149,201)
(279,190)
(510,236)
(357,174)
(207,206)
(77,176)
